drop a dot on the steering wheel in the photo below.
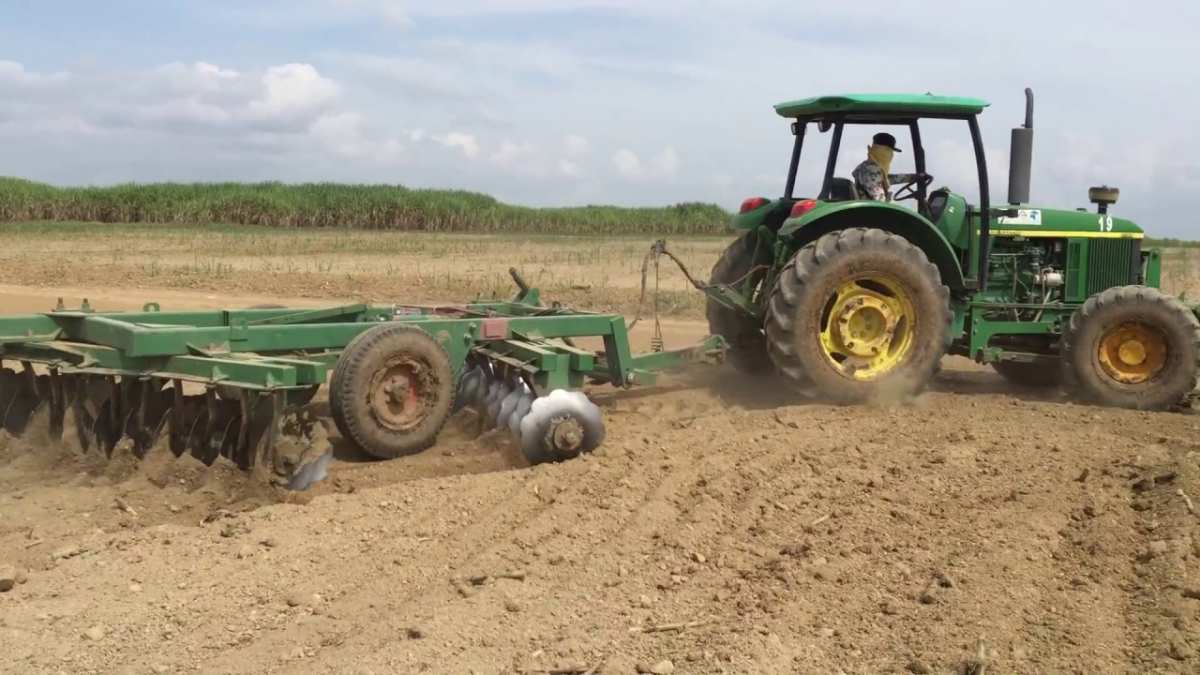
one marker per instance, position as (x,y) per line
(909,189)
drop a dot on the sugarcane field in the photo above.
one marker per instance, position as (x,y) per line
(483,338)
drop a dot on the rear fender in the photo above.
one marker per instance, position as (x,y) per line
(898,220)
(770,214)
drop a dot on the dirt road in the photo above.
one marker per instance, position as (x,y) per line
(723,527)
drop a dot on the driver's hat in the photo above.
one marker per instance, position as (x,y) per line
(884,138)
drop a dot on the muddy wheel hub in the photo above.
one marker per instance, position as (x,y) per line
(398,395)
(565,435)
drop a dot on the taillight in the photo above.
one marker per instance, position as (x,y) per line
(802,207)
(751,204)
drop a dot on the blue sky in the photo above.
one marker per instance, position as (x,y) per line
(586,101)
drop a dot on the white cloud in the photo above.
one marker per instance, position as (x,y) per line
(666,163)
(462,141)
(628,163)
(511,154)
(197,77)
(291,89)
(184,110)
(346,134)
(576,146)
(393,12)
(568,168)
(420,77)
(15,73)
(663,165)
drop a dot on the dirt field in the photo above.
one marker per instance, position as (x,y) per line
(723,527)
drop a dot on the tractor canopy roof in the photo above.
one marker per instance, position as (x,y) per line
(878,106)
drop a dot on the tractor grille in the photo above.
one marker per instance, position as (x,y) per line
(1112,262)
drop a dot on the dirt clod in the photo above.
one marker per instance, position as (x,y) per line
(918,667)
(8,578)
(664,667)
(1180,651)
(68,551)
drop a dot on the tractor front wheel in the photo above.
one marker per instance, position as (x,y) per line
(392,390)
(1132,347)
(859,314)
(742,264)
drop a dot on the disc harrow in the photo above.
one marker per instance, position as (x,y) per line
(237,385)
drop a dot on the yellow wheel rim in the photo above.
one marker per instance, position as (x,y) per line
(1132,353)
(867,326)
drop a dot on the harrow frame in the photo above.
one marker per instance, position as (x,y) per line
(258,364)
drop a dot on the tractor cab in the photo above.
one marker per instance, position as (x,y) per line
(936,219)
(940,209)
(898,113)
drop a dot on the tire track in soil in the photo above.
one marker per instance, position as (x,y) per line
(427,584)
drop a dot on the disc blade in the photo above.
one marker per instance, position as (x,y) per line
(312,472)
(28,397)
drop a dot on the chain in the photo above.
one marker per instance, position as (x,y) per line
(654,255)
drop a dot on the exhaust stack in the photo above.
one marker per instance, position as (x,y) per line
(1020,159)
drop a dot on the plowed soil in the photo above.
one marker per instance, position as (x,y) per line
(723,527)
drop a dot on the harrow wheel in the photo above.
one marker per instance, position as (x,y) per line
(392,391)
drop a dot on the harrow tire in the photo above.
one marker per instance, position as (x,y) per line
(1172,321)
(392,390)
(1033,375)
(801,297)
(335,403)
(747,344)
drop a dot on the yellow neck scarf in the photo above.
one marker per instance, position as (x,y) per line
(882,155)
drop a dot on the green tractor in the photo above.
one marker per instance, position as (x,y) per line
(856,299)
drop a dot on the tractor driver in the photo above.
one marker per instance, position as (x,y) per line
(871,177)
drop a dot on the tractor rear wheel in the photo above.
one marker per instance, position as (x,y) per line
(741,262)
(1033,375)
(859,314)
(1132,347)
(392,390)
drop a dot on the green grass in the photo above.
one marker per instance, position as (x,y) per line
(329,205)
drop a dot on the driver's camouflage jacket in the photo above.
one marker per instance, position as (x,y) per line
(868,177)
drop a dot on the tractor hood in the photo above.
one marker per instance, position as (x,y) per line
(1033,221)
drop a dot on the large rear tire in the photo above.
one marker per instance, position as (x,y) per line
(857,315)
(392,390)
(747,343)
(1132,347)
